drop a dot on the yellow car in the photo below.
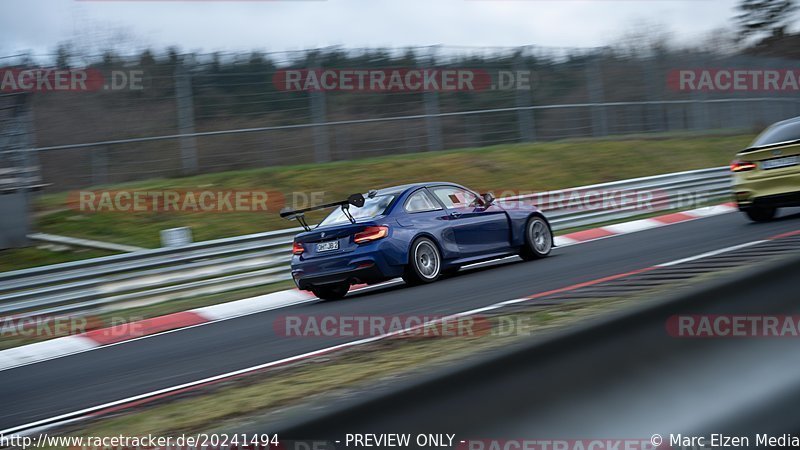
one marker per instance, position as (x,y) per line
(766,175)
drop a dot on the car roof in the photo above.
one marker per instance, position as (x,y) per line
(396,190)
(777,134)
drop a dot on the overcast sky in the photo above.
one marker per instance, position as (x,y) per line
(274,25)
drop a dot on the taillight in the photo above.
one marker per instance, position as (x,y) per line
(297,248)
(742,166)
(371,234)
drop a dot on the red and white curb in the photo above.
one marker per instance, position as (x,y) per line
(68,345)
(103,409)
(642,224)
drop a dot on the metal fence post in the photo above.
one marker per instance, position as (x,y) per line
(594,81)
(322,150)
(341,137)
(523,99)
(656,117)
(320,133)
(99,164)
(185,106)
(472,129)
(433,123)
(16,137)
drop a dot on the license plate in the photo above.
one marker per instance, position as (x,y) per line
(780,162)
(327,246)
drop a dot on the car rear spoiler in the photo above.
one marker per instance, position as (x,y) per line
(356,200)
(772,145)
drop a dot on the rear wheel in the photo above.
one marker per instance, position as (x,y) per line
(760,214)
(331,291)
(425,265)
(538,239)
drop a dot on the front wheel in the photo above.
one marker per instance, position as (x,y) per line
(538,239)
(332,291)
(760,214)
(425,263)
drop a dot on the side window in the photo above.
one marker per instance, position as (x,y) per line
(455,198)
(420,201)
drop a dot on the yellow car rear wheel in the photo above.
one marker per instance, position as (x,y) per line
(760,214)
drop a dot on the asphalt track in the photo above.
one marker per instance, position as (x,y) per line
(619,377)
(59,386)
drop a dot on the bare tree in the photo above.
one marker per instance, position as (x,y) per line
(764,18)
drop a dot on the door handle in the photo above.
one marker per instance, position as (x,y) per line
(455,214)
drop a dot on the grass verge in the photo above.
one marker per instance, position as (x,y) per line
(528,167)
(231,405)
(42,255)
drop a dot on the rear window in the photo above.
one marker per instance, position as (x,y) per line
(778,133)
(373,207)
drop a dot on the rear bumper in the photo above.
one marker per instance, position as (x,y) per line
(371,263)
(785,200)
(780,190)
(366,275)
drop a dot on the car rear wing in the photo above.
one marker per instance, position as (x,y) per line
(356,200)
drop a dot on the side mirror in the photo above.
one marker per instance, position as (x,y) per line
(488,198)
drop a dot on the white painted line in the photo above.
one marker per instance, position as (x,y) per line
(70,348)
(18,356)
(43,424)
(46,423)
(86,411)
(707,254)
(515,301)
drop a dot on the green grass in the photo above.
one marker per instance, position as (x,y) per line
(23,258)
(226,406)
(519,167)
(229,403)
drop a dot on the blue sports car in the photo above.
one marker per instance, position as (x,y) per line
(417,231)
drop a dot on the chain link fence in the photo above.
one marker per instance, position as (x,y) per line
(173,115)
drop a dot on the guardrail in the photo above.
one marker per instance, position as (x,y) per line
(228,264)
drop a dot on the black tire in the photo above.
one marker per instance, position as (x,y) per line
(425,263)
(331,291)
(760,214)
(538,239)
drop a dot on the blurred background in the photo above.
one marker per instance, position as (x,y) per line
(200,112)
